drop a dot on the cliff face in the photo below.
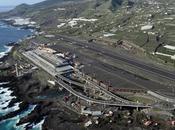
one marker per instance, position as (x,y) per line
(113,5)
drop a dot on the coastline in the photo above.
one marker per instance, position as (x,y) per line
(11,45)
(6,8)
(16,103)
(17,108)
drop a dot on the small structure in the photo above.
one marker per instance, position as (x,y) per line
(88,123)
(86,111)
(108,34)
(147,27)
(170,47)
(173,123)
(61,25)
(47,50)
(51,82)
(167,55)
(147,123)
(49,36)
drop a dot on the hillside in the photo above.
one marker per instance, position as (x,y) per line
(24,9)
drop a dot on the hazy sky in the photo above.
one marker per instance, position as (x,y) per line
(17,2)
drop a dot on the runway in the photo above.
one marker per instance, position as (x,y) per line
(133,62)
(117,77)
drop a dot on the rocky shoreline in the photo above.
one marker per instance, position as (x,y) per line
(44,109)
(18,87)
(24,89)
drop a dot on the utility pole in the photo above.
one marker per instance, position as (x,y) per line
(16,68)
(173,89)
(85,87)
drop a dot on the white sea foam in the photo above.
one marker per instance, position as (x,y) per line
(11,123)
(8,49)
(6,95)
(30,109)
(3,105)
(38,126)
(5,99)
(4,83)
(2,54)
(3,89)
(11,109)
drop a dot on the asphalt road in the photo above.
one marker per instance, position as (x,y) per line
(110,74)
(88,99)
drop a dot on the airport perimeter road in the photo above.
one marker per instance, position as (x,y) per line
(124,58)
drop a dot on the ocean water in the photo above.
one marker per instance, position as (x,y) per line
(5,8)
(12,34)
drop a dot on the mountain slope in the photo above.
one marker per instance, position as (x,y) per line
(25,9)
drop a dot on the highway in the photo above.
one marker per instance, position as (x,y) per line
(126,59)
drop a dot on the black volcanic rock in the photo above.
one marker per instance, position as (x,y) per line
(23,106)
(12,102)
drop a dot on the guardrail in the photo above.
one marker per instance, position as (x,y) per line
(161,97)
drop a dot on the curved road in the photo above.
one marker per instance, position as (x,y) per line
(91,100)
(99,87)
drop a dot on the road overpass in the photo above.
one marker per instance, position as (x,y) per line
(95,86)
(101,102)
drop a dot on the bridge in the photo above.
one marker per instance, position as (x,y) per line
(91,100)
